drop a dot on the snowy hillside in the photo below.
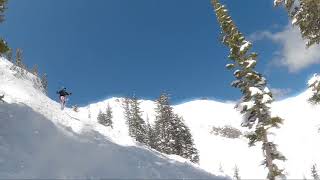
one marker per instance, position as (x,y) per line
(298,138)
(38,140)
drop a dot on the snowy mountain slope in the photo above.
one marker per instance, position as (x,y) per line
(38,140)
(32,147)
(200,116)
(298,138)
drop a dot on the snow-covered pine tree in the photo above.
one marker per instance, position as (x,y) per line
(314,85)
(4,48)
(127,114)
(19,58)
(314,172)
(176,144)
(183,144)
(126,108)
(20,67)
(139,126)
(105,118)
(162,127)
(236,175)
(9,55)
(89,112)
(256,100)
(44,83)
(34,70)
(189,149)
(132,114)
(101,117)
(304,14)
(173,136)
(150,134)
(3,7)
(109,116)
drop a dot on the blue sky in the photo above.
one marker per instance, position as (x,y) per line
(104,48)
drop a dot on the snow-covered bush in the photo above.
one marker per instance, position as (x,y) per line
(226,131)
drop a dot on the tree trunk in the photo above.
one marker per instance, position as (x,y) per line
(267,153)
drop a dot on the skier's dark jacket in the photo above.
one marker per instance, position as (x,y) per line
(63,92)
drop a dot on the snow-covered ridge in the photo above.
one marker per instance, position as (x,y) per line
(38,140)
(298,138)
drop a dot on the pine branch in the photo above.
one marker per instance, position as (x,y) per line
(305,15)
(256,100)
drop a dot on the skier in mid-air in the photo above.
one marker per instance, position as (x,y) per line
(63,96)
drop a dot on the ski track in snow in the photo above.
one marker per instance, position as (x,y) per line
(298,138)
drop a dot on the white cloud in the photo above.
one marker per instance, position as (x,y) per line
(293,54)
(280,93)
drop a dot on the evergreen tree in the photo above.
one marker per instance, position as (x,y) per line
(106,118)
(256,101)
(44,83)
(20,67)
(236,175)
(189,149)
(138,124)
(9,55)
(19,58)
(164,116)
(304,14)
(183,144)
(3,7)
(151,136)
(126,108)
(101,117)
(177,135)
(4,48)
(89,112)
(127,115)
(34,70)
(109,116)
(173,136)
(314,172)
(132,113)
(314,85)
